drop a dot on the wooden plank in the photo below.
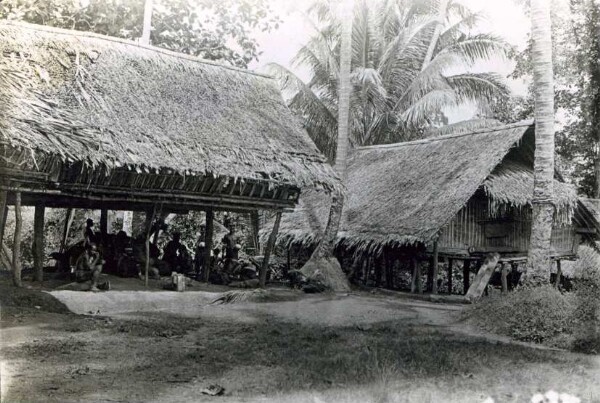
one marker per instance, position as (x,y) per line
(208,243)
(38,241)
(268,249)
(16,259)
(483,277)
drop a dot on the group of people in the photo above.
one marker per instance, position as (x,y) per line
(127,257)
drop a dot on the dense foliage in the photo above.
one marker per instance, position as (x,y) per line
(223,30)
(409,62)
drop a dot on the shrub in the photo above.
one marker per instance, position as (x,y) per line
(529,314)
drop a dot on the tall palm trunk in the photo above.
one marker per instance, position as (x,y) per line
(543,192)
(442,9)
(322,265)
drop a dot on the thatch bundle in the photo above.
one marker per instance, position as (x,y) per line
(405,193)
(511,184)
(113,103)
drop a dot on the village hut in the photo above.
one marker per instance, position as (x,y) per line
(454,197)
(88,121)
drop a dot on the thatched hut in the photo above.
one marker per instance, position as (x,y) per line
(88,121)
(457,196)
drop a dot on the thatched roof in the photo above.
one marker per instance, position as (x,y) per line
(405,193)
(114,103)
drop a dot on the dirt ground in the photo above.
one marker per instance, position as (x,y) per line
(139,346)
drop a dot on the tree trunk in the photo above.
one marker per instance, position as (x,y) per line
(594,17)
(16,260)
(147,27)
(443,7)
(322,265)
(538,264)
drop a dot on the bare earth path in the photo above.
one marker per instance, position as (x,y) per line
(166,346)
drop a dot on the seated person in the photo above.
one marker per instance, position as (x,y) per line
(89,267)
(231,249)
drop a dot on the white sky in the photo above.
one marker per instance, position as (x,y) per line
(502,17)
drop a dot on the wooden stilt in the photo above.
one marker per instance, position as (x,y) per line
(16,260)
(255,222)
(268,249)
(103,224)
(558,273)
(434,288)
(67,228)
(208,243)
(504,278)
(38,241)
(450,264)
(149,219)
(3,213)
(466,275)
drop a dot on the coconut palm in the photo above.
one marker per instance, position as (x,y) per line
(543,192)
(410,60)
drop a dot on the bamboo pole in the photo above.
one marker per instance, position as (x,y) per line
(268,249)
(38,241)
(208,246)
(17,242)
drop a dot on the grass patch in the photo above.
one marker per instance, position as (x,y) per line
(20,300)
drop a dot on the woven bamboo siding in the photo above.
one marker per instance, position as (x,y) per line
(473,227)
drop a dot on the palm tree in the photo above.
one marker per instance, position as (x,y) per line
(543,192)
(322,262)
(410,59)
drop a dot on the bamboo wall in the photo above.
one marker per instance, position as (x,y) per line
(473,229)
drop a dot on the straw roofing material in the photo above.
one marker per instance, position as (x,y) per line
(511,184)
(115,103)
(405,193)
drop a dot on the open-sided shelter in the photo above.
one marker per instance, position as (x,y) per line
(88,121)
(457,196)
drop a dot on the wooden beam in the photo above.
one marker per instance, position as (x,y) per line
(67,228)
(16,260)
(210,215)
(38,242)
(558,273)
(450,267)
(435,268)
(103,223)
(268,249)
(466,275)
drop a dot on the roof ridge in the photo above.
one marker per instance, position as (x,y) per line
(523,123)
(86,34)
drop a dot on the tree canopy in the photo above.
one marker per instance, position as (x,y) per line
(403,74)
(222,31)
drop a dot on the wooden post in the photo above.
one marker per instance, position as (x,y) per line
(255,224)
(67,228)
(450,263)
(17,242)
(504,278)
(558,273)
(147,27)
(268,249)
(210,215)
(435,259)
(483,276)
(149,218)
(466,275)
(3,213)
(103,223)
(415,285)
(38,241)
(289,259)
